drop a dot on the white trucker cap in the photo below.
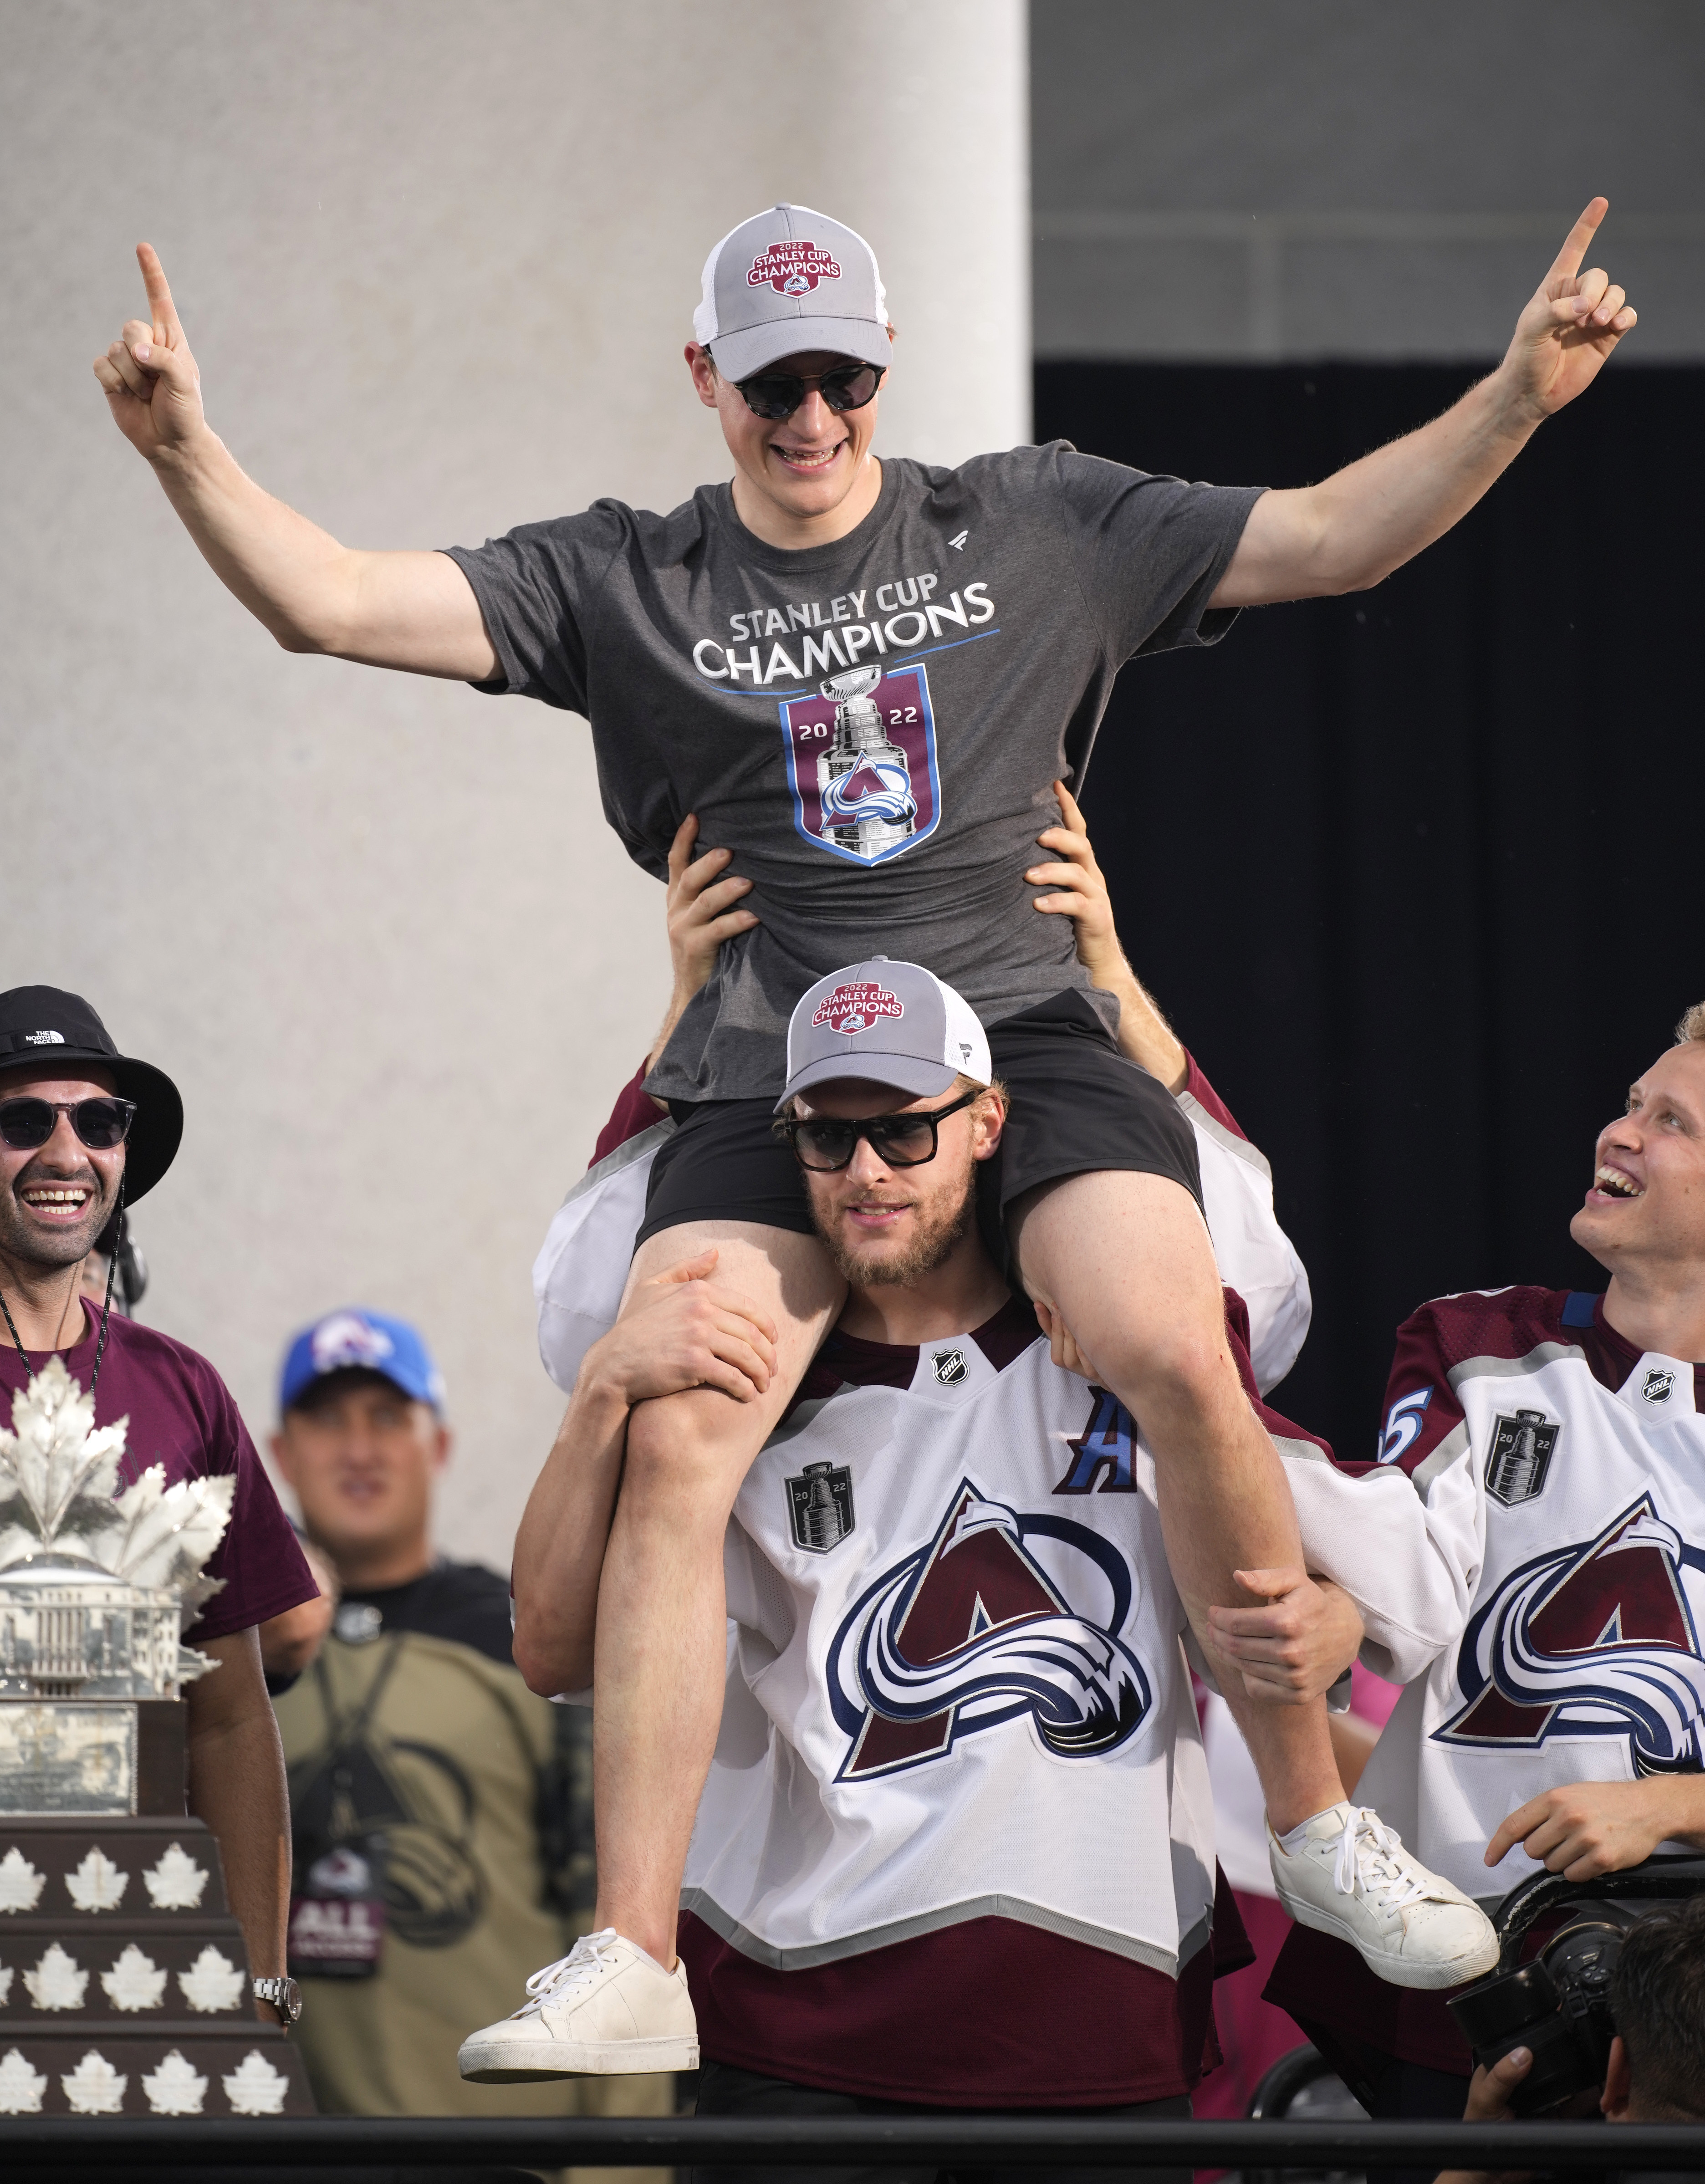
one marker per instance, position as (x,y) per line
(788,279)
(884,1023)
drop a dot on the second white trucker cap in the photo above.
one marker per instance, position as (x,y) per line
(886,1022)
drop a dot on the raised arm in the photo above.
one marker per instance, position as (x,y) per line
(411,610)
(1352,530)
(1079,892)
(684,1334)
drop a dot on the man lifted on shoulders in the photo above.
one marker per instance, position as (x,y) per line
(956,1848)
(865,677)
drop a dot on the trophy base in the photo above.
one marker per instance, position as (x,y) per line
(126,1990)
(108,1756)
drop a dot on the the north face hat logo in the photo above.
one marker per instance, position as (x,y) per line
(44,1039)
(854,1009)
(792,269)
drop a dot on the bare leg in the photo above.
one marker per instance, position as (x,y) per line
(658,1667)
(1126,1259)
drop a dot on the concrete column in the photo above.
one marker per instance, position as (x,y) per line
(436,264)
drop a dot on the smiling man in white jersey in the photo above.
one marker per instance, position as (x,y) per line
(1536,1515)
(957,1846)
(865,678)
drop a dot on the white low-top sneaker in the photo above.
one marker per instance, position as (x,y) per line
(1352,1876)
(606,2007)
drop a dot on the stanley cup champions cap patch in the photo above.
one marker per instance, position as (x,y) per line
(788,280)
(885,1023)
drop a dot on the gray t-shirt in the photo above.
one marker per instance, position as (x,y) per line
(871,727)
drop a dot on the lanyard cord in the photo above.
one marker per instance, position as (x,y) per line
(344,1731)
(106,1305)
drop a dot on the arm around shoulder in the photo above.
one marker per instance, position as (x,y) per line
(677,1332)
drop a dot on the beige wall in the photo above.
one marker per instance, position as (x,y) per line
(436,263)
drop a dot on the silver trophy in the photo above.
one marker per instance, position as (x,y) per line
(126,1987)
(94,1591)
(864,783)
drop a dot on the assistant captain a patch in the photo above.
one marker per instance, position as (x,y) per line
(820,1507)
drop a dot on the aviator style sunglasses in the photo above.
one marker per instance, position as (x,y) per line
(824,1144)
(27,1124)
(777,394)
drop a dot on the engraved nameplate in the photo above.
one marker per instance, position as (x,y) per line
(66,1757)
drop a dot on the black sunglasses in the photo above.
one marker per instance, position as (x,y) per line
(27,1124)
(824,1144)
(777,394)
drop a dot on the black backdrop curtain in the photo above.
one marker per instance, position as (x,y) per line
(1417,873)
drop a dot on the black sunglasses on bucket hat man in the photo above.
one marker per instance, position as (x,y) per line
(55,1033)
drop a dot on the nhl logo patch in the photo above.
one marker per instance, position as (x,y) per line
(1657,1386)
(948,1366)
(820,1507)
(1520,1456)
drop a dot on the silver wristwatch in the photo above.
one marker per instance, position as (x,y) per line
(284,1995)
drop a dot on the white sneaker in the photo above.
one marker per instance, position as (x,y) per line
(1352,1876)
(605,2007)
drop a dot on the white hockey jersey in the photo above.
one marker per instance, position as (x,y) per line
(962,1643)
(582,1269)
(1525,1551)
(957,1695)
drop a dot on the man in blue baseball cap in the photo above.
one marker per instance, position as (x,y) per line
(440,1812)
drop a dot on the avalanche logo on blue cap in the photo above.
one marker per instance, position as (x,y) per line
(347,1339)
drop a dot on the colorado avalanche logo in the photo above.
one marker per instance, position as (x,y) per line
(1595,1640)
(862,763)
(971,1630)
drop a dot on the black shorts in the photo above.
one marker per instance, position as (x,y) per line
(1078,1105)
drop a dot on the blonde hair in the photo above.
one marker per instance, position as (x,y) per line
(1693,1025)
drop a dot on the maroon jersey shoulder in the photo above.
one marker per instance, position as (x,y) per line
(1422,1409)
(1237,1330)
(635,1111)
(1199,1090)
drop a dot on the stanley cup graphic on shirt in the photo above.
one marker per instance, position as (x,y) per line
(863,780)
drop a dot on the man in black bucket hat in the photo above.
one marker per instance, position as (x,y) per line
(85,1130)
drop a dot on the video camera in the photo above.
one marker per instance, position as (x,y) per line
(1558,2003)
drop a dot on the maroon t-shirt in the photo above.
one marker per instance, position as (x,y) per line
(182,1415)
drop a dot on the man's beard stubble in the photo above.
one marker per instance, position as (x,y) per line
(936,1239)
(64,1247)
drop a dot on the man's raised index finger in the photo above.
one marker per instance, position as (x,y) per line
(1567,263)
(161,308)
